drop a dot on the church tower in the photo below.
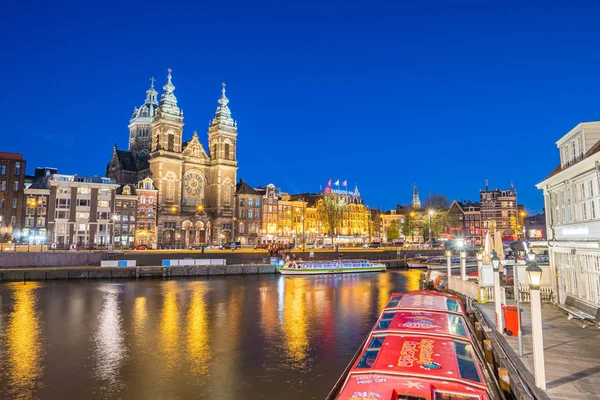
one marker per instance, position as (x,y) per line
(222,145)
(416,203)
(166,163)
(140,138)
(167,124)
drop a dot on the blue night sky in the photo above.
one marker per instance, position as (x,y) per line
(444,94)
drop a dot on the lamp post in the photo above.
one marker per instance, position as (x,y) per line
(463,264)
(412,233)
(497,294)
(430,215)
(518,302)
(479,265)
(449,263)
(535,277)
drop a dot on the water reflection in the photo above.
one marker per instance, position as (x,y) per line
(198,330)
(140,315)
(295,324)
(169,326)
(109,340)
(24,345)
(412,279)
(384,288)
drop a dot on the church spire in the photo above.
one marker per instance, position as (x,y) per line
(151,94)
(168,101)
(223,114)
(416,202)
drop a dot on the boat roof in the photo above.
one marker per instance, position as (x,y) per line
(422,322)
(424,366)
(425,300)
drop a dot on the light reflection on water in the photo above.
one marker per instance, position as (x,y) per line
(256,337)
(109,341)
(23,342)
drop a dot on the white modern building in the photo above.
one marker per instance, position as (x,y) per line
(572,202)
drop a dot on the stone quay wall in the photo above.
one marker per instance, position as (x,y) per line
(49,259)
(28,274)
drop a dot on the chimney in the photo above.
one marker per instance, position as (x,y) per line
(486,184)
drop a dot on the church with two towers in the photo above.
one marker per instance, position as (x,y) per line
(195,185)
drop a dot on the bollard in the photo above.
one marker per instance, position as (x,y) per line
(489,351)
(504,379)
(478,331)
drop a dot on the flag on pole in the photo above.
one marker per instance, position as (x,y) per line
(337,183)
(329,183)
(345,183)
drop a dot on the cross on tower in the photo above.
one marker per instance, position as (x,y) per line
(152,80)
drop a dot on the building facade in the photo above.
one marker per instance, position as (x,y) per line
(499,211)
(80,211)
(388,219)
(195,187)
(146,230)
(572,201)
(125,217)
(12,184)
(464,221)
(248,214)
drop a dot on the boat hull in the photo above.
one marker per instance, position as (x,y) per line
(329,271)
(445,267)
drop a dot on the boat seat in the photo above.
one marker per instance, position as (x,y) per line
(581,310)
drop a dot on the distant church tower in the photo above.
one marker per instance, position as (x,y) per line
(416,203)
(140,135)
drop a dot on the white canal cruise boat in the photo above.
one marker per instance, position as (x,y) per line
(440,262)
(330,267)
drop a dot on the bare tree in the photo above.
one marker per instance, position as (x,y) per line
(330,211)
(436,201)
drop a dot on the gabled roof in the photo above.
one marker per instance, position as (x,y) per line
(127,160)
(593,150)
(244,188)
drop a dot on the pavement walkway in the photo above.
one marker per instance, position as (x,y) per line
(572,354)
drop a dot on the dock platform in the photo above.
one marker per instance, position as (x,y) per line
(572,353)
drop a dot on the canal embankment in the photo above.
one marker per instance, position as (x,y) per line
(25,274)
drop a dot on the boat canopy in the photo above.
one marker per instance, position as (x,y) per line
(423,322)
(425,300)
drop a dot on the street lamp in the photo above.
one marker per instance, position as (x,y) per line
(412,233)
(200,207)
(463,264)
(449,262)
(535,277)
(479,256)
(430,215)
(497,294)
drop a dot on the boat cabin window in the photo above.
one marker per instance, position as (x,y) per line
(385,321)
(456,325)
(397,396)
(394,302)
(453,396)
(368,359)
(377,342)
(467,369)
(452,305)
(463,349)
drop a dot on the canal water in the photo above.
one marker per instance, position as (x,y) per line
(235,337)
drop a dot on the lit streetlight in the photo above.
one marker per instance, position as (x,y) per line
(535,277)
(497,294)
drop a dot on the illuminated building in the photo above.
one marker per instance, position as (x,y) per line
(195,186)
(572,201)
(387,219)
(499,211)
(80,211)
(125,217)
(145,229)
(12,178)
(248,214)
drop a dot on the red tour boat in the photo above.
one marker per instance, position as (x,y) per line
(419,349)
